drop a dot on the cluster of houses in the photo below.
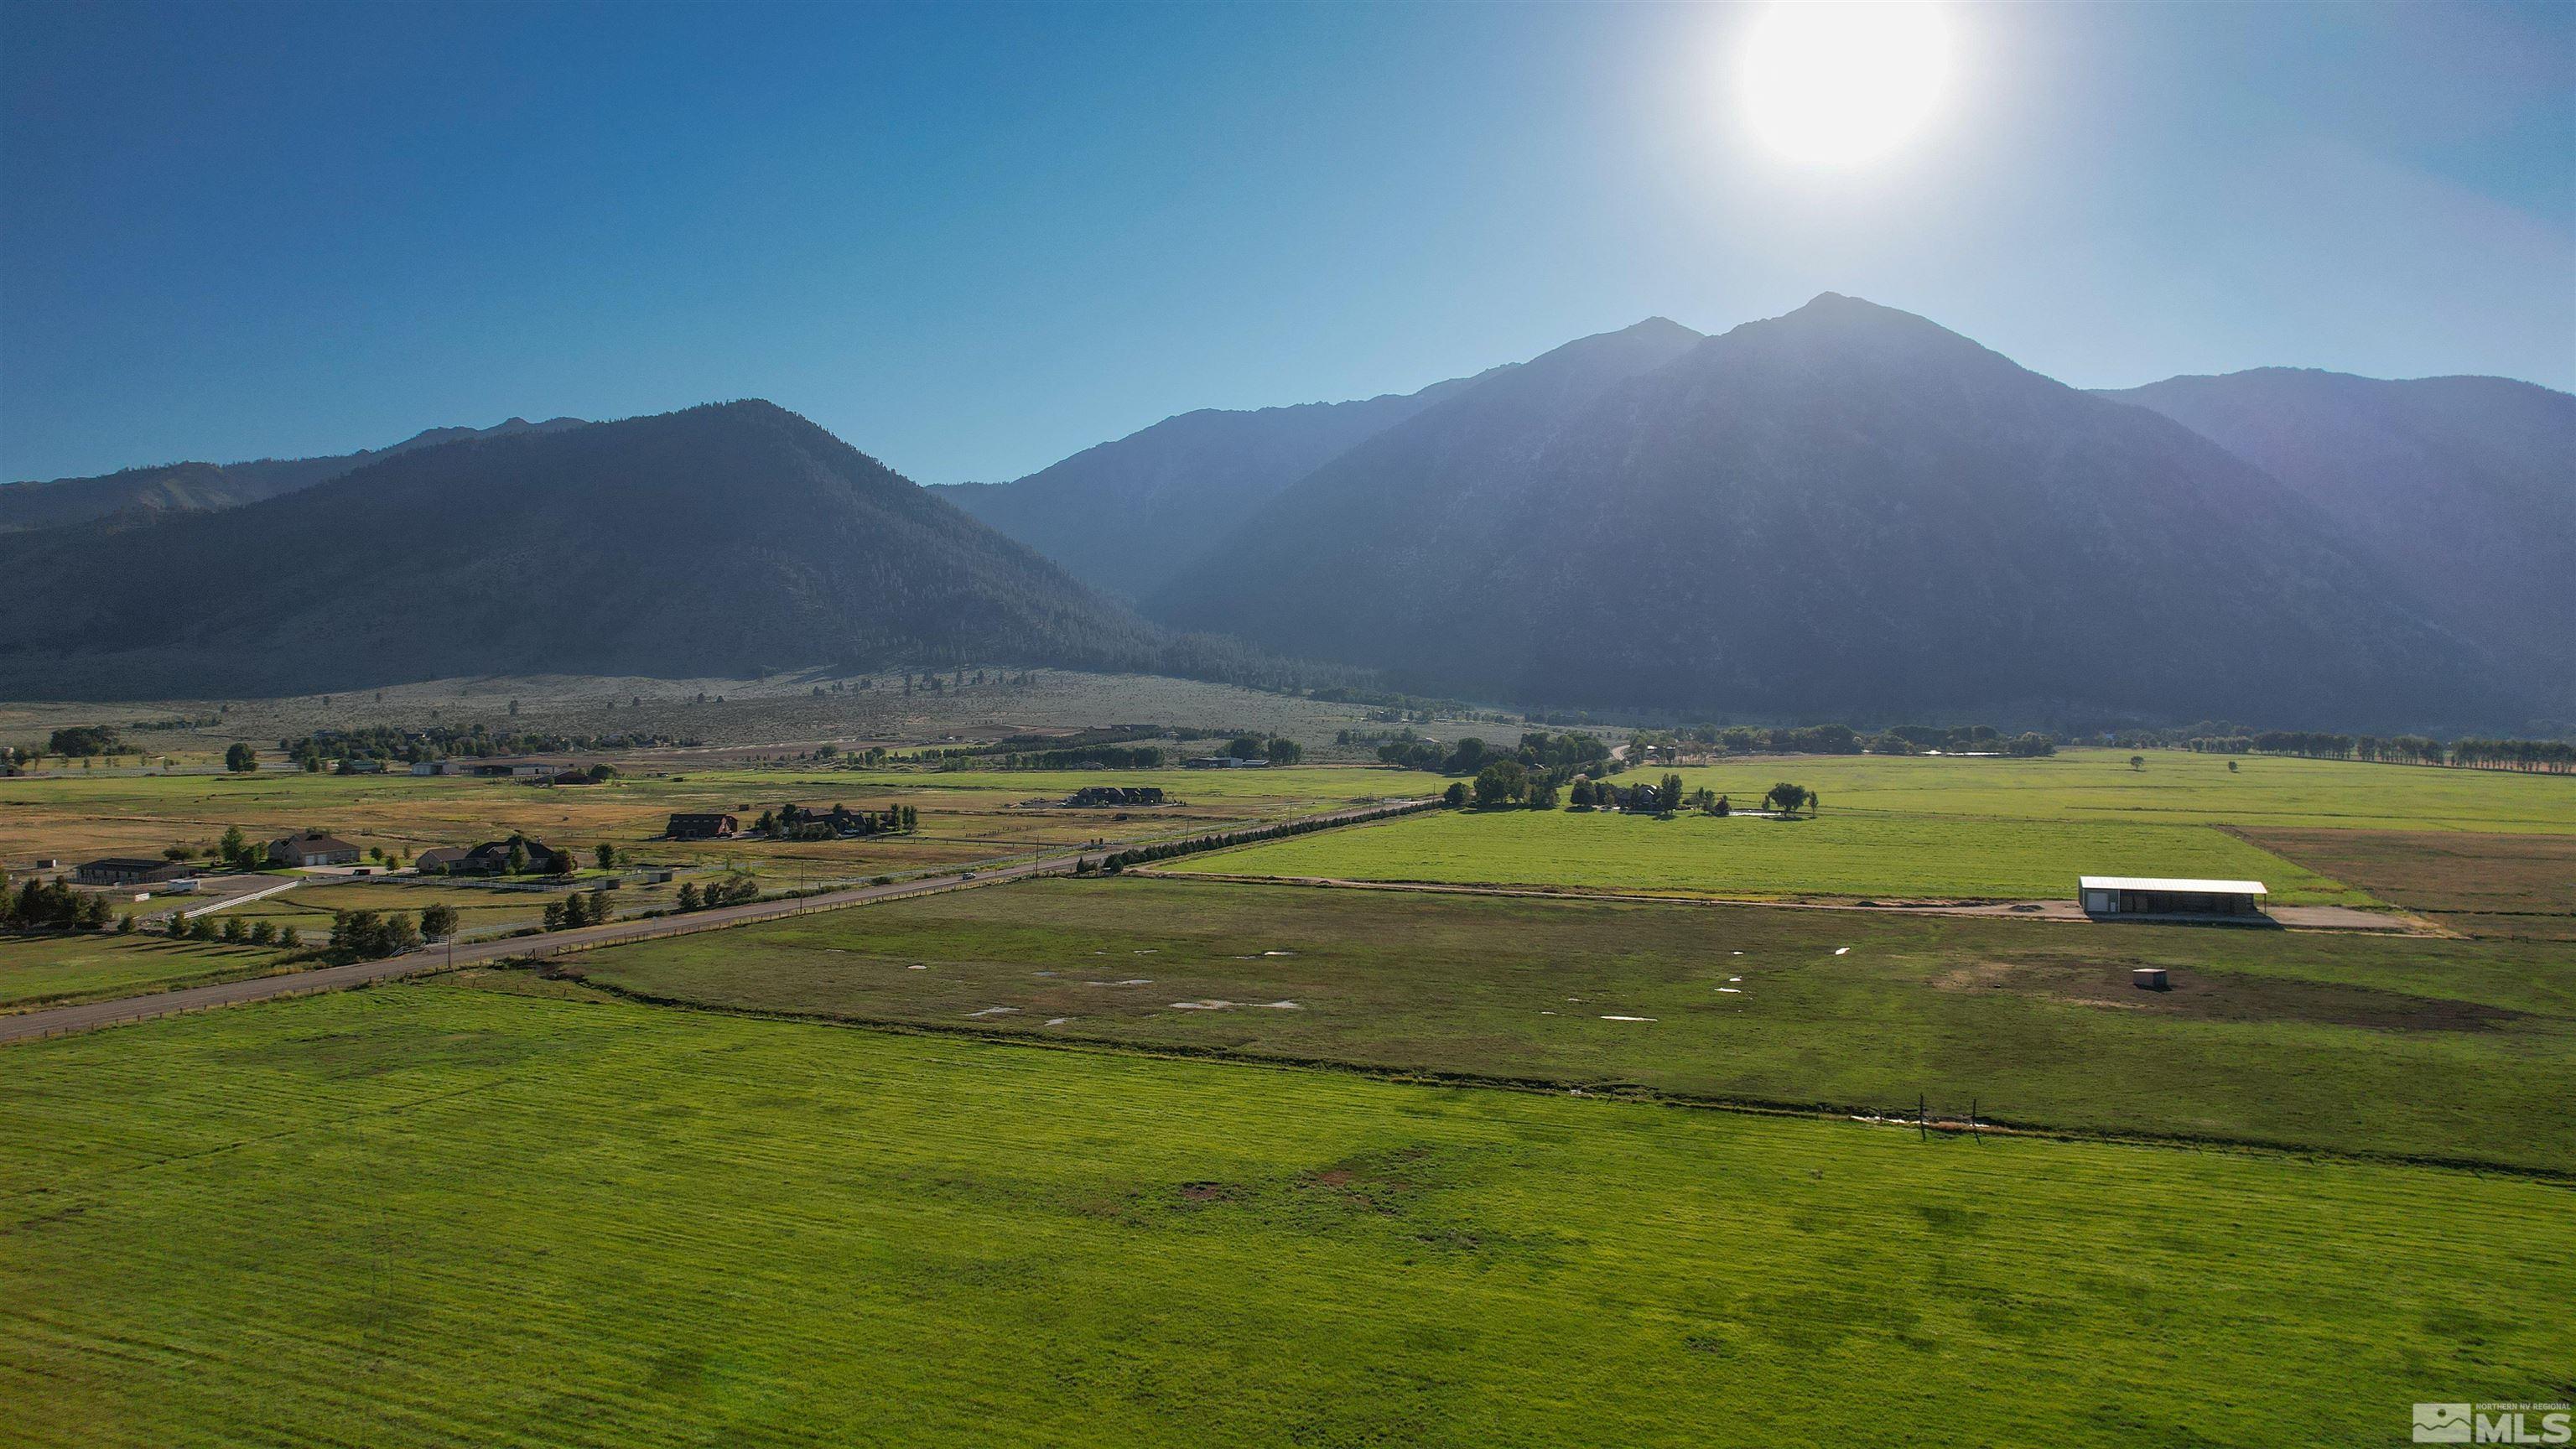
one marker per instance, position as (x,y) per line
(1114,795)
(790,822)
(312,848)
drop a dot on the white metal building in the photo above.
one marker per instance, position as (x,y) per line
(2146,895)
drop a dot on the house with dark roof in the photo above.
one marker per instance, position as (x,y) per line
(492,857)
(702,825)
(312,848)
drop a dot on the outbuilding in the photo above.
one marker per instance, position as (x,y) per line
(2146,895)
(131,870)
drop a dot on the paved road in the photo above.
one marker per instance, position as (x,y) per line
(54,1021)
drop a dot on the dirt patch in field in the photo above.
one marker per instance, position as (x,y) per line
(1376,1183)
(2519,887)
(2202,995)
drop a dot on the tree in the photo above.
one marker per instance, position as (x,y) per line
(1501,783)
(1580,797)
(1286,752)
(438,922)
(235,933)
(1456,794)
(1670,795)
(1785,797)
(241,759)
(82,740)
(689,890)
(2231,767)
(566,863)
(554,915)
(125,924)
(1246,747)
(233,849)
(605,854)
(2137,762)
(263,933)
(517,862)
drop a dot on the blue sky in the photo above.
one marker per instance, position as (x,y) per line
(973,239)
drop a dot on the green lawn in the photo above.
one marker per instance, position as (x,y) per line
(57,970)
(1840,853)
(2456,1050)
(434,1214)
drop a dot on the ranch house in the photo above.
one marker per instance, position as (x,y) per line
(312,849)
(702,825)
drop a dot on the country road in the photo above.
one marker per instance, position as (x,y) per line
(54,1021)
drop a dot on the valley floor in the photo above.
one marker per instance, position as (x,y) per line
(488,1209)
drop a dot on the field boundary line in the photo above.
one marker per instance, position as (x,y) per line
(1549,1086)
(1969,907)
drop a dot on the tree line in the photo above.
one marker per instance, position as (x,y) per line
(2555,757)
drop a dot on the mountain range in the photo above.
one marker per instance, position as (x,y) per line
(726,539)
(205,487)
(1846,511)
(2465,487)
(1126,516)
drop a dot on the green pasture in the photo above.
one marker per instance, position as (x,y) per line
(433,1214)
(1840,853)
(2402,1046)
(2172,787)
(94,965)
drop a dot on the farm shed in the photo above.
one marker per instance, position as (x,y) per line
(130,870)
(2145,895)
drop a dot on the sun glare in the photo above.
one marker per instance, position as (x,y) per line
(1828,83)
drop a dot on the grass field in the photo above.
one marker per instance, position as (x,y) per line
(2460,1050)
(436,1214)
(2174,787)
(57,970)
(1924,827)
(1838,854)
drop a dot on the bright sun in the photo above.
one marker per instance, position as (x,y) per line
(1836,84)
